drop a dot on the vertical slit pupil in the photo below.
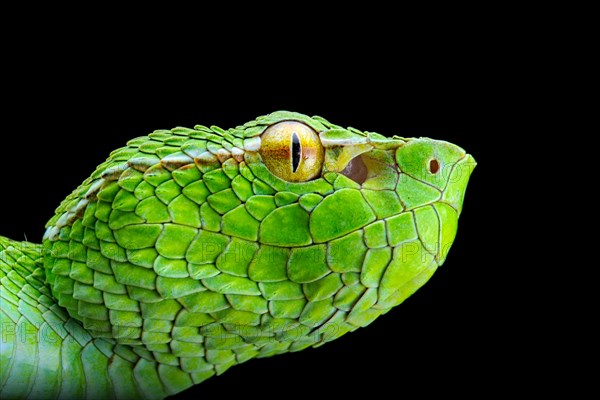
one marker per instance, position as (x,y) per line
(296,151)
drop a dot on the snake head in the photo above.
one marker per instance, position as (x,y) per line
(209,246)
(393,175)
(393,213)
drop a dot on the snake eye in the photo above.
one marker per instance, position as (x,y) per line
(292,151)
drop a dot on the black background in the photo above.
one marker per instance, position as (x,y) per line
(454,335)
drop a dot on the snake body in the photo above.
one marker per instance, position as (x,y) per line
(186,253)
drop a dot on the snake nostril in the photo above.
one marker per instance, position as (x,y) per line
(356,170)
(434,166)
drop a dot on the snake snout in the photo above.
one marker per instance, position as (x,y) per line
(454,193)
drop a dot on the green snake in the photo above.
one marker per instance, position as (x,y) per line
(189,251)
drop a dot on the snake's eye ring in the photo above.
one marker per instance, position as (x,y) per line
(434,166)
(292,151)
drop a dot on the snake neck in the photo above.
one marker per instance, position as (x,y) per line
(46,354)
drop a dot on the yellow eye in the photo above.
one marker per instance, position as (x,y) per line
(292,151)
